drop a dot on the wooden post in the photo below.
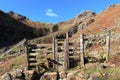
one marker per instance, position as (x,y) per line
(81,50)
(56,55)
(108,45)
(66,63)
(54,51)
(27,55)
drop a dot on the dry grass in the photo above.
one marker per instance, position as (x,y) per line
(9,64)
(103,20)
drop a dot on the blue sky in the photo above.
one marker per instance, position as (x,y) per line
(53,11)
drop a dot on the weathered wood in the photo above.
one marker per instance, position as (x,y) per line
(13,47)
(54,50)
(108,46)
(27,55)
(66,62)
(81,50)
(56,53)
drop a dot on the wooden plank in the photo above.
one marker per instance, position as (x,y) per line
(45,45)
(108,46)
(81,50)
(66,63)
(60,42)
(32,54)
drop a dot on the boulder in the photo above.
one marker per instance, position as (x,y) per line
(82,75)
(71,76)
(62,75)
(13,75)
(49,76)
(6,76)
(95,76)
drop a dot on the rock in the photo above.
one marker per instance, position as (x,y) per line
(13,75)
(95,76)
(6,76)
(78,78)
(92,65)
(71,76)
(17,16)
(82,75)
(84,15)
(112,65)
(49,76)
(65,79)
(62,75)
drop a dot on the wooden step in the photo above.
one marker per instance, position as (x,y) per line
(33,64)
(49,52)
(31,51)
(36,49)
(70,47)
(77,52)
(71,52)
(60,52)
(59,45)
(45,45)
(60,39)
(32,54)
(32,61)
(31,45)
(73,56)
(32,67)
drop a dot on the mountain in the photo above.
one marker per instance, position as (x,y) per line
(26,20)
(109,19)
(14,27)
(80,19)
(12,30)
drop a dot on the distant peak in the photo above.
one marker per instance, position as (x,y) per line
(17,16)
(85,13)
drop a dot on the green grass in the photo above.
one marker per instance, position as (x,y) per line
(93,70)
(8,56)
(18,62)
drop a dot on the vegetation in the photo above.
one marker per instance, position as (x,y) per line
(40,32)
(11,62)
(73,30)
(55,28)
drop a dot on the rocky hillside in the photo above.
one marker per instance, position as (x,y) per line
(109,19)
(80,19)
(12,30)
(26,21)
(16,27)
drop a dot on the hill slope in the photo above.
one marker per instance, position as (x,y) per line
(12,30)
(107,19)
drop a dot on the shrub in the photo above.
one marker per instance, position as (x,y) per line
(73,30)
(40,32)
(55,28)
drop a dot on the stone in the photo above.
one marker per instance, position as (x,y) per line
(70,76)
(78,78)
(92,65)
(6,76)
(82,75)
(65,79)
(95,76)
(49,76)
(62,75)
(13,75)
